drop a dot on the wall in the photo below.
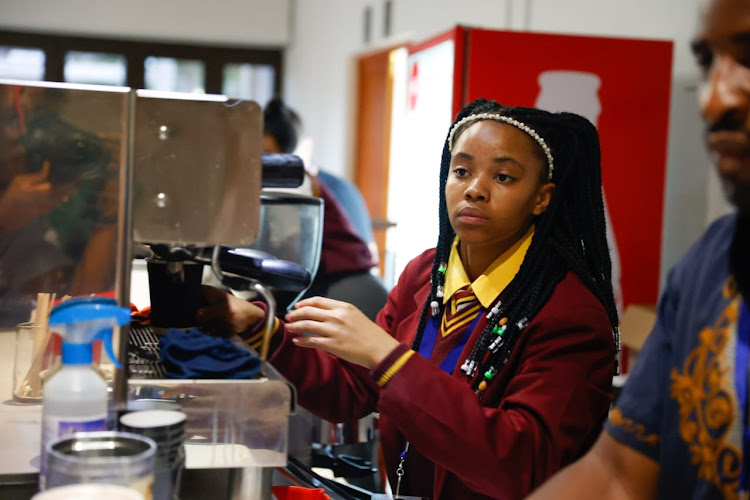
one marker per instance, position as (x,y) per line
(234,22)
(327,35)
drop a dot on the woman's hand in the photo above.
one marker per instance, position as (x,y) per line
(340,329)
(226,314)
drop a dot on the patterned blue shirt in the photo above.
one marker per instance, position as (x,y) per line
(679,406)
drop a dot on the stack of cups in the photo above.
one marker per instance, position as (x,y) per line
(167,429)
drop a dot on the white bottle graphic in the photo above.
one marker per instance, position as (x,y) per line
(75,398)
(578,92)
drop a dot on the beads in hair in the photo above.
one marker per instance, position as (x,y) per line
(495,310)
(498,341)
(469,367)
(435,308)
(510,121)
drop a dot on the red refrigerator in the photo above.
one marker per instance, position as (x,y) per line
(620,85)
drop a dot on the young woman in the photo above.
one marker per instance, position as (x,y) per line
(491,364)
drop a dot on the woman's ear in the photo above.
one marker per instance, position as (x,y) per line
(544,195)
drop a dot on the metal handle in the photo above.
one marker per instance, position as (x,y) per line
(263,292)
(268,330)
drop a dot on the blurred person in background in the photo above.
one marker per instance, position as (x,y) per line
(346,261)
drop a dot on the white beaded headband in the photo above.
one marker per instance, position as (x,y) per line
(509,121)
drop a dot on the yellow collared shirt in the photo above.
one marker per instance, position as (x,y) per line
(486,287)
(494,279)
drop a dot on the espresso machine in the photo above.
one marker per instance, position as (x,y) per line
(178,179)
(198,207)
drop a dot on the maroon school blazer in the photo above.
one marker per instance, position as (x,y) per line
(541,412)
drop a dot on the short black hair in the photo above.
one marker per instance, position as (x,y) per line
(283,124)
(569,236)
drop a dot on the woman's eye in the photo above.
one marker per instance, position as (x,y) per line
(460,171)
(503,177)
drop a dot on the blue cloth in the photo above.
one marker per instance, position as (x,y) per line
(193,354)
(679,404)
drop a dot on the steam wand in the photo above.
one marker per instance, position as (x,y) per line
(244,283)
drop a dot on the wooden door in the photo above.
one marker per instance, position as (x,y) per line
(372,147)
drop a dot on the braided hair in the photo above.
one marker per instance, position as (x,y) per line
(569,236)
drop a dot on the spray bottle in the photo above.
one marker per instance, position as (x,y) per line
(75,398)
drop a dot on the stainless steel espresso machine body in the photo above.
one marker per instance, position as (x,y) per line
(178,177)
(196,182)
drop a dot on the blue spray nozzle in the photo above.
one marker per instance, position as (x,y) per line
(85,319)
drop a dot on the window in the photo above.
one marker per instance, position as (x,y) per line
(21,63)
(247,81)
(246,73)
(95,68)
(174,75)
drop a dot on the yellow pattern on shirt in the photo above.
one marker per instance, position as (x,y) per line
(707,404)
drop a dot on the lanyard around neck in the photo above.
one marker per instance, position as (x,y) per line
(429,336)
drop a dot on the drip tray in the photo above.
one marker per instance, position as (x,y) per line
(144,357)
(230,422)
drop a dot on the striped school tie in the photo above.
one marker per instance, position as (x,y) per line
(460,311)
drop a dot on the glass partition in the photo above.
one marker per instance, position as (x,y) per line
(60,192)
